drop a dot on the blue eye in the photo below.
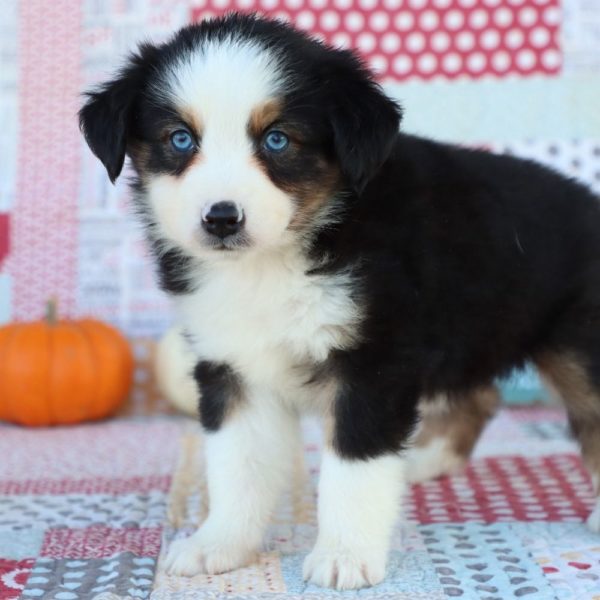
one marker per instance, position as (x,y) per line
(182,141)
(276,141)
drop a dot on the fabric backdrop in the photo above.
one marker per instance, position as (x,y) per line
(518,76)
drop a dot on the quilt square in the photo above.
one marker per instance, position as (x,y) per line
(409,576)
(506,488)
(475,560)
(99,541)
(124,575)
(262,577)
(81,510)
(18,543)
(569,555)
(13,577)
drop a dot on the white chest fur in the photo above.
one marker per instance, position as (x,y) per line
(264,316)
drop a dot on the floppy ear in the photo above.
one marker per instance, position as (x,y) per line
(106,117)
(365,122)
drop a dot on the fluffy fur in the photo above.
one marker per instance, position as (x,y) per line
(173,366)
(372,274)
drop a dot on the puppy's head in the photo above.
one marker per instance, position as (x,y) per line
(243,133)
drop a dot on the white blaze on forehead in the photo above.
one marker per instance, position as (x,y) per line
(222,82)
(218,86)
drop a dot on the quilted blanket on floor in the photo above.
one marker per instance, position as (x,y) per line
(85,512)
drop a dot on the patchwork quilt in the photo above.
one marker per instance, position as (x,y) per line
(87,511)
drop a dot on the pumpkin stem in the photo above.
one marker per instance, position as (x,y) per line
(51,311)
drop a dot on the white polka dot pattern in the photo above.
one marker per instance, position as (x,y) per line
(402,39)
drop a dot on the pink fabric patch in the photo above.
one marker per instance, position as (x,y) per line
(43,261)
(4,237)
(111,450)
(99,541)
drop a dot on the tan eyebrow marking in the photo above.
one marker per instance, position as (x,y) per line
(263,115)
(190,117)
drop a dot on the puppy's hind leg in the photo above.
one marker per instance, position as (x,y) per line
(575,377)
(447,433)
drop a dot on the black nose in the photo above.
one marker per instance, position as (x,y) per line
(223,219)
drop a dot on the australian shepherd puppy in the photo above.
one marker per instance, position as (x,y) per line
(320,260)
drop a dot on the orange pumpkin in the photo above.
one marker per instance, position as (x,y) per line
(61,372)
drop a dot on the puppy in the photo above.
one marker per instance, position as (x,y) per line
(320,260)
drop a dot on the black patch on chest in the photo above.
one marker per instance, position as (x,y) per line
(220,388)
(174,269)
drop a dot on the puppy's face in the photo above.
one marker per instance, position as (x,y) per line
(244,134)
(226,161)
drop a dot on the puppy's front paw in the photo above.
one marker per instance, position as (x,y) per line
(199,554)
(343,568)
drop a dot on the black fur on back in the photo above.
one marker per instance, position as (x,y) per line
(474,263)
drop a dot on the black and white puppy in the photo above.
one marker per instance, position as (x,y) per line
(321,261)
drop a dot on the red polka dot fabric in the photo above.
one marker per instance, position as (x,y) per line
(424,39)
(507,488)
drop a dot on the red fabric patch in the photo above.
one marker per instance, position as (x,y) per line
(507,488)
(580,566)
(550,569)
(13,577)
(426,38)
(4,237)
(99,541)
